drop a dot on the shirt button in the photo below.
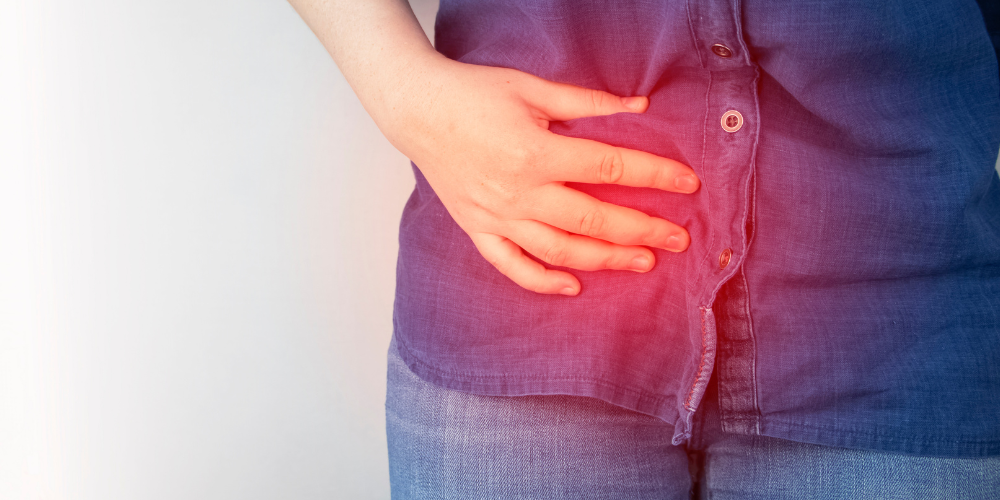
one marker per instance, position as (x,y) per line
(721,50)
(732,121)
(724,258)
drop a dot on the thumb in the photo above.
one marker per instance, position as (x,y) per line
(560,101)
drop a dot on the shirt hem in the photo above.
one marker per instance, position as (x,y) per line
(662,407)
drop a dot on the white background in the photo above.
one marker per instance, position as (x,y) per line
(197,253)
(198,234)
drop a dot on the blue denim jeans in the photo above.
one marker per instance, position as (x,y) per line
(446,444)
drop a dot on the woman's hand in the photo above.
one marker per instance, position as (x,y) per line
(480,137)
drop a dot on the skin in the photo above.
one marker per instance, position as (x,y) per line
(480,136)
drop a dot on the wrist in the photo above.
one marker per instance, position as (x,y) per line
(408,94)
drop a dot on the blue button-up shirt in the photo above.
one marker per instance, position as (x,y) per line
(843,278)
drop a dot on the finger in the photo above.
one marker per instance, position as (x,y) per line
(576,212)
(508,258)
(559,248)
(582,160)
(561,101)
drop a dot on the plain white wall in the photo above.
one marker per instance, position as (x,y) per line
(197,253)
(198,234)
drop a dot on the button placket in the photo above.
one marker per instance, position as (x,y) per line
(725,167)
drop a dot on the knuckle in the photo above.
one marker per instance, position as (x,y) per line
(557,255)
(652,233)
(526,156)
(612,167)
(611,261)
(660,177)
(592,222)
(598,99)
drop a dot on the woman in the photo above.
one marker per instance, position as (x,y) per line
(804,192)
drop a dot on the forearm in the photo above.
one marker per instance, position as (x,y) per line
(378,46)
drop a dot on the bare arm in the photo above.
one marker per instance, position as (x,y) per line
(377,44)
(480,137)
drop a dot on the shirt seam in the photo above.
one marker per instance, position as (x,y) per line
(701,363)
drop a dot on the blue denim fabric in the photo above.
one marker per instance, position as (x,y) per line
(861,304)
(991,14)
(446,444)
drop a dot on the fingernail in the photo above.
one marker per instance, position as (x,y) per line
(635,103)
(640,263)
(686,183)
(568,291)
(675,244)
